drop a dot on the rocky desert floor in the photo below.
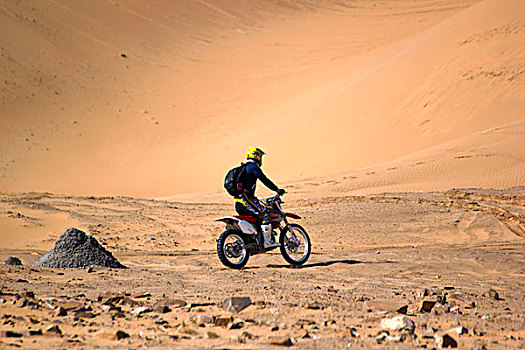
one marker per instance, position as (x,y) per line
(451,262)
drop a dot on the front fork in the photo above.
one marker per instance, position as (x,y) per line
(287,224)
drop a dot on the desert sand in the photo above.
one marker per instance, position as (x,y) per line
(397,128)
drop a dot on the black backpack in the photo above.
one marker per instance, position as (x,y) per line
(232,182)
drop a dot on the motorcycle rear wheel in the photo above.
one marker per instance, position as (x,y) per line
(295,254)
(231,249)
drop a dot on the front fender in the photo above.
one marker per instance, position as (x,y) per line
(292,215)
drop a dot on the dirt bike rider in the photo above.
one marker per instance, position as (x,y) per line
(246,203)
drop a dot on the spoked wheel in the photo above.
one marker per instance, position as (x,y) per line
(295,248)
(231,249)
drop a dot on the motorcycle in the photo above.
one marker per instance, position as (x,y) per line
(243,237)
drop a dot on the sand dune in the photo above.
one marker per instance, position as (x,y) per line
(493,158)
(136,99)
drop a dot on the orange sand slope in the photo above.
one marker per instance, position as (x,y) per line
(156,99)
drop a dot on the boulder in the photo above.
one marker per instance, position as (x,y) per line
(236,304)
(427,306)
(398,323)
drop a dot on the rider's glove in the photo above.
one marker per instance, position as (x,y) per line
(281,191)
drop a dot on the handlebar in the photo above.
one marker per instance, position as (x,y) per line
(276,198)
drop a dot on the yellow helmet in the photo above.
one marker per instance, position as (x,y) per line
(255,153)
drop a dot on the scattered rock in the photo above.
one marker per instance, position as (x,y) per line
(398,323)
(382,336)
(352,332)
(35,332)
(113,335)
(455,309)
(85,314)
(75,249)
(223,321)
(130,302)
(386,305)
(11,334)
(71,305)
(245,336)
(471,305)
(54,329)
(33,320)
(306,335)
(12,260)
(61,312)
(402,310)
(211,335)
(121,335)
(110,298)
(458,330)
(314,306)
(172,303)
(494,294)
(140,295)
(236,304)
(29,294)
(162,309)
(427,306)
(445,341)
(429,333)
(184,329)
(110,307)
(21,302)
(398,338)
(174,336)
(140,310)
(237,325)
(283,341)
(456,296)
(202,318)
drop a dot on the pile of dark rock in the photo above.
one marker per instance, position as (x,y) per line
(76,249)
(12,260)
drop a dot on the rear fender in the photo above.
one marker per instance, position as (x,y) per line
(233,223)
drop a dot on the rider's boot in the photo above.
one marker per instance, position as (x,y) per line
(268,239)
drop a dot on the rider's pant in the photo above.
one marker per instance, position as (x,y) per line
(246,205)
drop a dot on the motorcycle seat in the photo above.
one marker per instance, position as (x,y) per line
(249,218)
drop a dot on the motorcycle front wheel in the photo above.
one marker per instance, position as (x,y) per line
(231,249)
(295,251)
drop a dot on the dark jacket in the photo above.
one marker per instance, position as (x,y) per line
(250,176)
